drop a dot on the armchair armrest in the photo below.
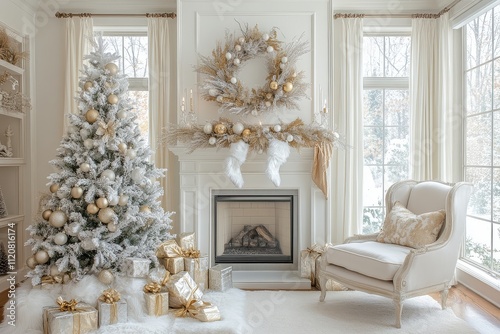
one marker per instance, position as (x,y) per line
(361,238)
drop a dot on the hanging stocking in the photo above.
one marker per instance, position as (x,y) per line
(278,152)
(237,156)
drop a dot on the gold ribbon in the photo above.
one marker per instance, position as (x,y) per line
(152,287)
(190,252)
(189,308)
(111,296)
(158,304)
(52,279)
(106,130)
(166,278)
(66,305)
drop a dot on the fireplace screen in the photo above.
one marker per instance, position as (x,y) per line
(253,229)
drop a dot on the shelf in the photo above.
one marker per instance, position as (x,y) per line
(12,162)
(12,69)
(11,113)
(10,219)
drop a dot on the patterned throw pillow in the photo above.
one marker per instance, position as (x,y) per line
(403,227)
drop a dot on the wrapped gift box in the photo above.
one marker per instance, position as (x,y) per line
(169,248)
(308,264)
(112,313)
(200,310)
(182,289)
(198,269)
(220,277)
(136,267)
(82,320)
(186,240)
(156,303)
(174,264)
(331,285)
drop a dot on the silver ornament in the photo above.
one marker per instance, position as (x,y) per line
(234,80)
(236,62)
(58,218)
(122,114)
(73,229)
(277,128)
(113,199)
(85,167)
(238,128)
(212,140)
(237,47)
(289,138)
(131,153)
(265,37)
(270,49)
(207,128)
(213,92)
(60,238)
(123,200)
(108,174)
(228,55)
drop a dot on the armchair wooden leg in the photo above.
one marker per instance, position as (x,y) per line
(399,311)
(322,282)
(444,297)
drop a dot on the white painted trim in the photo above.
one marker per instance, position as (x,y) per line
(480,282)
(473,11)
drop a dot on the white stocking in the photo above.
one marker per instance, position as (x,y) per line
(278,153)
(237,156)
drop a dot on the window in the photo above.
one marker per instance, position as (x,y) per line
(386,128)
(133,50)
(482,140)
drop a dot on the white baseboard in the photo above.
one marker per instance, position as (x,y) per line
(478,281)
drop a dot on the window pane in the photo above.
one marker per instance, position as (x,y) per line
(496,85)
(496,247)
(136,56)
(372,107)
(480,200)
(140,101)
(496,195)
(478,241)
(479,89)
(496,138)
(373,56)
(396,146)
(397,107)
(397,52)
(478,147)
(373,218)
(479,40)
(373,139)
(373,194)
(496,32)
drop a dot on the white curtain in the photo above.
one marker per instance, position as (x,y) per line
(347,176)
(78,44)
(434,121)
(159,97)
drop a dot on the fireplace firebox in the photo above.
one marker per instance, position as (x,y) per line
(253,227)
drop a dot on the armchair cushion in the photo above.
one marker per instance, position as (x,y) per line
(403,227)
(370,258)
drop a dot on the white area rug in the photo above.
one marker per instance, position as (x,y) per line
(252,312)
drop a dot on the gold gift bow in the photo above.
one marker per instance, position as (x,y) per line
(106,130)
(111,296)
(52,279)
(190,252)
(152,287)
(189,308)
(155,288)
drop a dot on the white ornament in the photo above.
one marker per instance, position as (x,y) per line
(213,92)
(236,62)
(84,133)
(294,74)
(137,174)
(241,40)
(228,55)
(284,60)
(60,238)
(212,140)
(113,199)
(207,128)
(88,143)
(122,114)
(234,80)
(238,128)
(282,66)
(268,104)
(265,37)
(58,218)
(122,147)
(123,200)
(106,215)
(85,167)
(237,47)
(106,277)
(73,229)
(277,128)
(289,138)
(219,98)
(108,174)
(131,153)
(270,49)
(54,271)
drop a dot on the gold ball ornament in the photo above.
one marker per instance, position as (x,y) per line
(112,99)
(87,85)
(123,200)
(106,215)
(144,209)
(106,277)
(60,238)
(58,218)
(288,87)
(112,68)
(102,203)
(54,187)
(91,115)
(273,85)
(54,271)
(112,227)
(76,192)
(122,147)
(85,167)
(41,257)
(31,262)
(220,129)
(246,133)
(46,214)
(92,209)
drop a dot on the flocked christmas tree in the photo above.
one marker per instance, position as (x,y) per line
(104,206)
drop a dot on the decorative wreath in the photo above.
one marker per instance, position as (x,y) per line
(284,86)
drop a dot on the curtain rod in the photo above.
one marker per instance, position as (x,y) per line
(399,16)
(60,15)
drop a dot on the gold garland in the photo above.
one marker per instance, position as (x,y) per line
(284,85)
(224,132)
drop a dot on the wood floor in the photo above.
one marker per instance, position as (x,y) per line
(475,310)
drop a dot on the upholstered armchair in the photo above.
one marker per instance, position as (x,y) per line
(416,251)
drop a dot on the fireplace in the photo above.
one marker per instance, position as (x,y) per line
(254,227)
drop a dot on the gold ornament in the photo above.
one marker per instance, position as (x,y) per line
(145,209)
(246,133)
(106,276)
(269,96)
(76,192)
(41,257)
(273,85)
(112,68)
(46,214)
(288,87)
(91,115)
(102,203)
(106,215)
(54,271)
(92,209)
(54,187)
(220,129)
(31,262)
(122,147)
(58,218)
(60,238)
(87,85)
(113,99)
